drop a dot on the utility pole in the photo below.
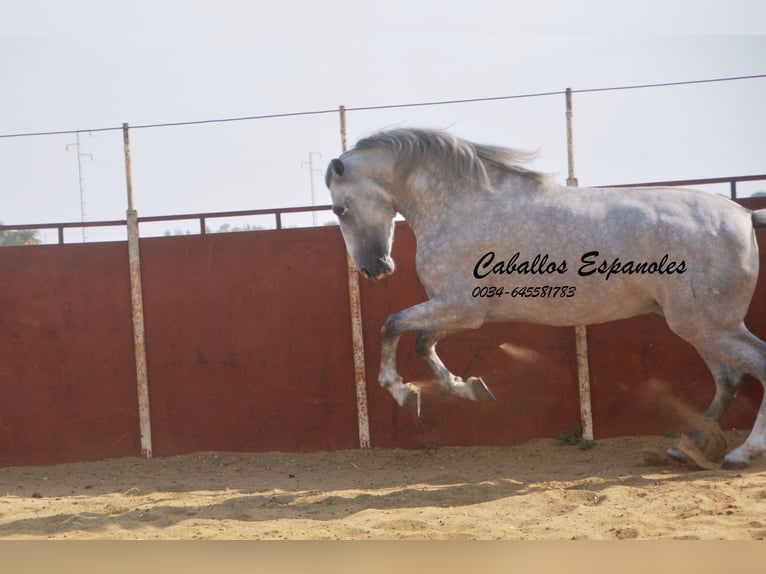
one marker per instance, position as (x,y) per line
(312,169)
(80,155)
(581,333)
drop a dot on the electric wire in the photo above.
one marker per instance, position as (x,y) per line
(384,107)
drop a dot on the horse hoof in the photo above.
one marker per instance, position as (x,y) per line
(676,454)
(692,455)
(734,463)
(480,391)
(408,396)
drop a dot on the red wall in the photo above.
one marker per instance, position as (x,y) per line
(248,342)
(67,372)
(249,349)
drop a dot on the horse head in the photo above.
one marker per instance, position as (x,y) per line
(363,205)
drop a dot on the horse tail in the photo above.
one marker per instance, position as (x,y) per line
(759,218)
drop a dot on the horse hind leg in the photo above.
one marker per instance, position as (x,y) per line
(741,352)
(473,389)
(727,383)
(752,360)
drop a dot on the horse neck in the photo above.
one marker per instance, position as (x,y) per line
(423,206)
(430,200)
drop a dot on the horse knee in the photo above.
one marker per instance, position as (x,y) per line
(393,327)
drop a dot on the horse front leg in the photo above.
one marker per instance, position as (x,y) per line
(406,395)
(433,316)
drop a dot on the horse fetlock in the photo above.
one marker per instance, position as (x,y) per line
(387,382)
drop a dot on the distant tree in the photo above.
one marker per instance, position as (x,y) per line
(19,237)
(225,228)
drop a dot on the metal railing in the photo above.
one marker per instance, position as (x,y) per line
(732,181)
(201,217)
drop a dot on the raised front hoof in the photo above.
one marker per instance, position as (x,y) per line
(408,397)
(480,391)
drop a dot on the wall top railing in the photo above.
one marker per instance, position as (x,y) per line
(201,217)
(732,181)
(279,212)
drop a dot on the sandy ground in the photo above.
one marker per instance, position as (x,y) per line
(538,490)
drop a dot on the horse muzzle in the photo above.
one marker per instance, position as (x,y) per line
(378,268)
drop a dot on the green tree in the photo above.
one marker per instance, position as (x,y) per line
(18,237)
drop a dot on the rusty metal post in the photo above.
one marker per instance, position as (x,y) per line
(357,339)
(581,333)
(137,308)
(343,131)
(571,179)
(583,379)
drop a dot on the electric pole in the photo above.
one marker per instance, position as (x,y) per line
(312,169)
(80,155)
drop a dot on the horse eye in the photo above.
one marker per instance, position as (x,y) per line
(339,210)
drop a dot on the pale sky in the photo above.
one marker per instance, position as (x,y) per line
(80,65)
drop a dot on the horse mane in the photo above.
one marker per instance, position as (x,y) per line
(468,160)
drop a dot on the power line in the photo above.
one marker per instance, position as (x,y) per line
(385,107)
(171,124)
(667,84)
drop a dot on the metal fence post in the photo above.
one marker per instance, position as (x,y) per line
(357,338)
(137,309)
(581,333)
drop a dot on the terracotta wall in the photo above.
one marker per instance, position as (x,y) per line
(249,349)
(248,342)
(67,372)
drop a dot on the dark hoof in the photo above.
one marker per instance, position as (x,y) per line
(480,390)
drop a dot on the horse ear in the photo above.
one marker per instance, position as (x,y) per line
(338,167)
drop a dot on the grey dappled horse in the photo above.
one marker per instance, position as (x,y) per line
(498,242)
